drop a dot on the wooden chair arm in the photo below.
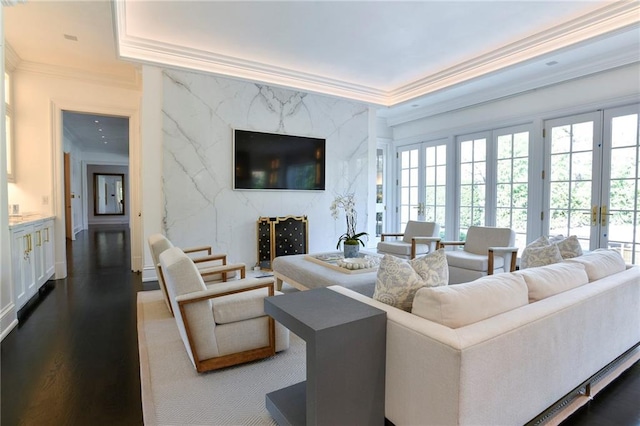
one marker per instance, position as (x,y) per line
(422,240)
(441,244)
(210,258)
(390,234)
(231,287)
(223,269)
(512,250)
(197,249)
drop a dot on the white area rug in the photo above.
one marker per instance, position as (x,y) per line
(173,393)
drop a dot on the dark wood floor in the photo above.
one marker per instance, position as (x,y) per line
(74,358)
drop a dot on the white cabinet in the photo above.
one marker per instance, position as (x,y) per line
(33,262)
(23,265)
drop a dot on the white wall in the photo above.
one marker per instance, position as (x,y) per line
(8,313)
(38,99)
(199,113)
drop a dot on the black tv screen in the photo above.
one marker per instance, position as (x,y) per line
(274,161)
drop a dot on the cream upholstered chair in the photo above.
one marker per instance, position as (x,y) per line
(486,251)
(418,238)
(225,324)
(212,267)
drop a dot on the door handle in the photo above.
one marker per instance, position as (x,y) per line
(603,215)
(594,215)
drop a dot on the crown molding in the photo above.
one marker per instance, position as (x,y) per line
(473,97)
(612,17)
(133,81)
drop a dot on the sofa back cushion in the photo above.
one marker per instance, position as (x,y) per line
(601,263)
(462,304)
(548,280)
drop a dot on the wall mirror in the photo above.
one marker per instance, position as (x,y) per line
(108,194)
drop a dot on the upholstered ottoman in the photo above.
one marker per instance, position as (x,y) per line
(305,274)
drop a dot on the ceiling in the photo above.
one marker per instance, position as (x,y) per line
(410,58)
(97,133)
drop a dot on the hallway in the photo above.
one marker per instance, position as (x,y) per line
(73,360)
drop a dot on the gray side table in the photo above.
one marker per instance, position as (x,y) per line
(346,355)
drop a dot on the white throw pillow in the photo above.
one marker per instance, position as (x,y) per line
(458,305)
(601,263)
(570,247)
(553,279)
(398,280)
(540,256)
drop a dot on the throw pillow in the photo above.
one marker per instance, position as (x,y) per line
(570,247)
(432,268)
(398,280)
(541,256)
(526,253)
(601,263)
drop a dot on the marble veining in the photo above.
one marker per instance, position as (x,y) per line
(200,206)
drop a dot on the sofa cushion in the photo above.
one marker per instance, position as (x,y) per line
(398,280)
(548,280)
(540,256)
(601,263)
(569,247)
(458,305)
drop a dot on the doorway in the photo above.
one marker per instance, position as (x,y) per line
(593,184)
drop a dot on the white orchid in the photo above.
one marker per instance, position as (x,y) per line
(347,202)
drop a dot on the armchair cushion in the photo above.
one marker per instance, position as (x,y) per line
(240,306)
(398,280)
(401,248)
(472,261)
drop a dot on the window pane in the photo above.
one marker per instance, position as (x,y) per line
(624,130)
(559,167)
(466,151)
(561,139)
(623,162)
(581,166)
(504,146)
(504,171)
(480,150)
(582,136)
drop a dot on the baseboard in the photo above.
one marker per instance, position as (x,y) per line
(149,274)
(8,320)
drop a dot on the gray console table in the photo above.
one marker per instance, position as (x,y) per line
(346,355)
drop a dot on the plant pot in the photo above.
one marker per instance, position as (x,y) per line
(351,250)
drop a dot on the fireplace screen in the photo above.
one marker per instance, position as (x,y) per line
(281,236)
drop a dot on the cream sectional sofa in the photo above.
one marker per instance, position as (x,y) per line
(511,347)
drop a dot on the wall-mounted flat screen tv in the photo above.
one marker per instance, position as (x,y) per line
(274,161)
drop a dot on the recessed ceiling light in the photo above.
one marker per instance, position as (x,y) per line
(97,121)
(99,130)
(70,37)
(105,142)
(102,136)
(552,63)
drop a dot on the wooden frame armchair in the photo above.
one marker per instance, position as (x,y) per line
(419,238)
(486,251)
(222,325)
(158,243)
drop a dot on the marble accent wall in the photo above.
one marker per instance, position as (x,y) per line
(200,206)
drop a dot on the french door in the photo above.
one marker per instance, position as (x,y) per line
(421,185)
(593,183)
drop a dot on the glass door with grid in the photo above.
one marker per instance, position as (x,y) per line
(592,188)
(422,183)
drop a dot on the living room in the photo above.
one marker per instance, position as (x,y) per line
(181,164)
